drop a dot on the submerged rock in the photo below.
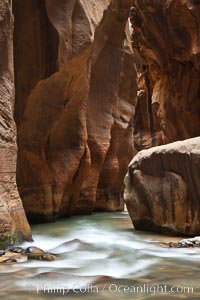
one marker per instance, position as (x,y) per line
(14,257)
(186,243)
(162,189)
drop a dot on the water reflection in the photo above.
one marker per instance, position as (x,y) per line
(102,251)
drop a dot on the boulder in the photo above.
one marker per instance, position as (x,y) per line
(162,190)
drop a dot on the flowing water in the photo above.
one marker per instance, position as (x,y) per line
(102,257)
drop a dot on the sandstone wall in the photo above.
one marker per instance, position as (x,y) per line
(75,98)
(13,222)
(166,44)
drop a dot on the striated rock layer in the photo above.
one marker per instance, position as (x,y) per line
(75,98)
(166,44)
(13,222)
(162,188)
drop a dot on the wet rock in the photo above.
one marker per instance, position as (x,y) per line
(17,250)
(45,257)
(186,243)
(9,260)
(174,245)
(2,252)
(192,242)
(39,254)
(34,250)
(16,257)
(18,254)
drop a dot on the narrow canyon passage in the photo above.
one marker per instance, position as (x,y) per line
(100,111)
(93,85)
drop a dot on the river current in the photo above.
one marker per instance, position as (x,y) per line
(102,257)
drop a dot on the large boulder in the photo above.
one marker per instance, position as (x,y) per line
(162,190)
(13,222)
(75,98)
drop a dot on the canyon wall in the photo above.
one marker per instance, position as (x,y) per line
(75,98)
(166,45)
(13,222)
(162,184)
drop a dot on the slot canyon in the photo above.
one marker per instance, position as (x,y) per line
(86,87)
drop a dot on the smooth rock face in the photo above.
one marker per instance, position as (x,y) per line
(166,45)
(162,190)
(13,222)
(75,99)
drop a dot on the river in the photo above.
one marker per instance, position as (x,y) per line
(102,257)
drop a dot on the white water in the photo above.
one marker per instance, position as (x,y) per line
(103,250)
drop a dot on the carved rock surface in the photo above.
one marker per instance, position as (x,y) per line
(162,188)
(166,45)
(75,99)
(13,222)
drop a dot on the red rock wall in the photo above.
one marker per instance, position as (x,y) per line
(75,98)
(13,222)
(166,44)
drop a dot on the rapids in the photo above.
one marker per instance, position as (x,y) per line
(102,257)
